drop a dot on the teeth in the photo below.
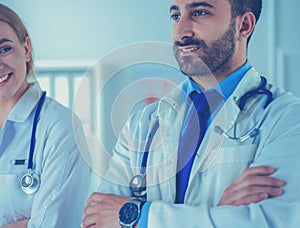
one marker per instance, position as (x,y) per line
(4,78)
(189,49)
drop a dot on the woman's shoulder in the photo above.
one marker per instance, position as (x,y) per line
(55,113)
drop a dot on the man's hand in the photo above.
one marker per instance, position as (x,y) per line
(252,186)
(102,210)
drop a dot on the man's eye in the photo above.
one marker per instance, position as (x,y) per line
(199,13)
(175,16)
(5,49)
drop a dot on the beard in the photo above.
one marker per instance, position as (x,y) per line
(214,59)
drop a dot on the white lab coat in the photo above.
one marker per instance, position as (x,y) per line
(218,163)
(64,175)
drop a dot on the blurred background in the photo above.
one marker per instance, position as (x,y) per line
(75,33)
(70,37)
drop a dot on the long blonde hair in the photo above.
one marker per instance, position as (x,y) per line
(13,20)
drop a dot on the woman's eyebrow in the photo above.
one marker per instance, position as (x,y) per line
(5,40)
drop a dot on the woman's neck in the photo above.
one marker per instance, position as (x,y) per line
(7,106)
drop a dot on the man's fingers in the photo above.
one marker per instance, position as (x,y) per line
(91,209)
(252,190)
(253,185)
(259,181)
(249,194)
(88,222)
(256,194)
(260,170)
(95,197)
(255,198)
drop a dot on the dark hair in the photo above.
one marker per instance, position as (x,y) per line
(13,20)
(239,7)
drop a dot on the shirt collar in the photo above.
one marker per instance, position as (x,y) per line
(26,104)
(226,86)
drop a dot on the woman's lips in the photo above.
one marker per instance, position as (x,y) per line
(4,78)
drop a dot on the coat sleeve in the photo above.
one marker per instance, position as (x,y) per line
(128,152)
(65,177)
(281,150)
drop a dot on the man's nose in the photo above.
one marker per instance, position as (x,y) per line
(183,29)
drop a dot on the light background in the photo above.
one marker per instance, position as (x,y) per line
(84,30)
(79,32)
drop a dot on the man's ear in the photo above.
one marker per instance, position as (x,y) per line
(246,24)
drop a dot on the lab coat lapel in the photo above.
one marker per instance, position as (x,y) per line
(226,118)
(170,114)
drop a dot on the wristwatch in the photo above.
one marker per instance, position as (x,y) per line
(130,213)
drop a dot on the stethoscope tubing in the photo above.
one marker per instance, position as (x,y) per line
(33,131)
(147,149)
(30,182)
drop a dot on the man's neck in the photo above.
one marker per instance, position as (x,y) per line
(210,80)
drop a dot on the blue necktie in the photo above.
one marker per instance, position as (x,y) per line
(196,120)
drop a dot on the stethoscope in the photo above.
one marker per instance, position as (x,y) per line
(138,182)
(30,182)
(253,131)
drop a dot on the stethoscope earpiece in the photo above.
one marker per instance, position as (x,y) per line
(30,182)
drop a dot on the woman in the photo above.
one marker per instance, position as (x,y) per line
(50,190)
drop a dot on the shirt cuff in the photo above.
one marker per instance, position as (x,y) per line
(143,221)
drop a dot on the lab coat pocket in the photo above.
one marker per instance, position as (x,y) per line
(236,154)
(222,170)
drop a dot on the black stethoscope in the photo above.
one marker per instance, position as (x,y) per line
(30,182)
(138,182)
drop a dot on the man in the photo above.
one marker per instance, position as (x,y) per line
(222,182)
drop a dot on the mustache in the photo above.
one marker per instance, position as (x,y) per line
(190,41)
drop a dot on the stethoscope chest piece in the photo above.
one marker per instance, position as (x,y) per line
(30,182)
(138,185)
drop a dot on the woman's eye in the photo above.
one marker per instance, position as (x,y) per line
(5,49)
(175,16)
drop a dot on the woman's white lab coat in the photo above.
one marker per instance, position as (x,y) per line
(218,163)
(64,176)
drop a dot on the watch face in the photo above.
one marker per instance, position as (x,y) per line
(129,213)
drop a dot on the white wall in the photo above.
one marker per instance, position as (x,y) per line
(87,29)
(275,49)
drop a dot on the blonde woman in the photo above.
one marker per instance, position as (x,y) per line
(43,178)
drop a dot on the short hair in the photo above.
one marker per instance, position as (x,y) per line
(239,7)
(13,20)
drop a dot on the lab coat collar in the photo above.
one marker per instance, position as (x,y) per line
(177,98)
(250,81)
(26,104)
(172,108)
